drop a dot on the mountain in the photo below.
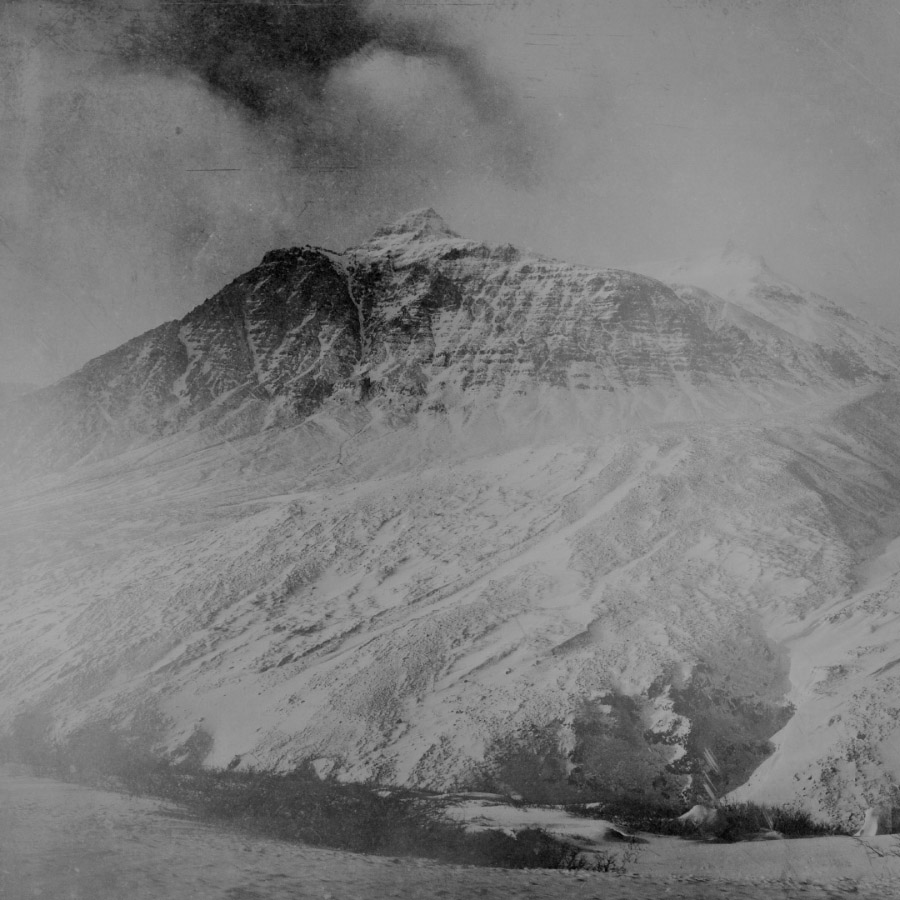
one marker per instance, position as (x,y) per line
(443,514)
(422,319)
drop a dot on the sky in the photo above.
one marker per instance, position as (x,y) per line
(151,151)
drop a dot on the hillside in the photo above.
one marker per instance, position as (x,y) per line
(443,514)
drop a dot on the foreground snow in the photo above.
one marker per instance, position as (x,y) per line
(63,841)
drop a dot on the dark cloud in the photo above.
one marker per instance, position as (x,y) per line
(255,54)
(272,59)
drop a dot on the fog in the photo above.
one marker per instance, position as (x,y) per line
(149,152)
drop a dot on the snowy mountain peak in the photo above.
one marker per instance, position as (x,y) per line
(747,283)
(419,224)
(727,272)
(739,259)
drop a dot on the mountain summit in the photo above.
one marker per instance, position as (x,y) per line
(447,514)
(416,225)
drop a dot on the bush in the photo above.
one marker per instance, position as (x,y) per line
(792,822)
(745,819)
(638,815)
(741,820)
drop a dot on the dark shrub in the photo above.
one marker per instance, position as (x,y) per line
(742,820)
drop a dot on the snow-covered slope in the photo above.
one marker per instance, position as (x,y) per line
(447,514)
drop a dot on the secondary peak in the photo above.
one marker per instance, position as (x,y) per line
(417,225)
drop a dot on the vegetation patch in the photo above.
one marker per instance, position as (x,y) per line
(297,806)
(742,819)
(736,821)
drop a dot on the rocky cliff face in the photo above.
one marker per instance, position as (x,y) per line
(442,514)
(276,340)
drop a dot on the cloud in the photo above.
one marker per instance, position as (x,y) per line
(151,151)
(272,60)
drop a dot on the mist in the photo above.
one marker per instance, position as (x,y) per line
(151,152)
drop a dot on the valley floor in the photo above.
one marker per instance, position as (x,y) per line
(66,841)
